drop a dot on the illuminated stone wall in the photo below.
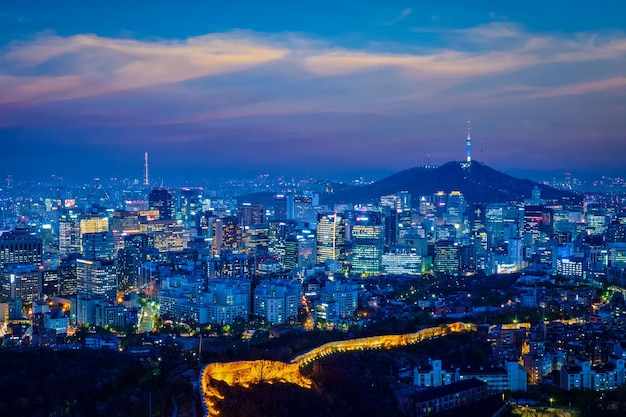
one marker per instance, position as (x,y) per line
(380,342)
(245,373)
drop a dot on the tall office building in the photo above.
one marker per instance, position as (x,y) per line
(21,282)
(456,210)
(280,207)
(161,199)
(401,260)
(129,260)
(67,275)
(99,245)
(300,248)
(596,218)
(69,234)
(227,235)
(249,214)
(166,235)
(367,234)
(189,205)
(278,233)
(255,239)
(125,222)
(21,247)
(446,257)
(96,278)
(93,223)
(50,282)
(537,224)
(301,208)
(331,237)
(204,224)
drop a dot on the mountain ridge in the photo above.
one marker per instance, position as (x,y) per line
(479,183)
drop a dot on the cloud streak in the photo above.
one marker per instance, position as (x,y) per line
(92,66)
(51,68)
(402,16)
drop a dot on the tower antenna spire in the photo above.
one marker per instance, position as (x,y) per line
(468,142)
(146,180)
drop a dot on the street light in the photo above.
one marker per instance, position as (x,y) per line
(551,401)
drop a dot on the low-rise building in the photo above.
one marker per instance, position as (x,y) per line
(582,375)
(438,399)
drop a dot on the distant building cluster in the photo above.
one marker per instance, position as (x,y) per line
(81,256)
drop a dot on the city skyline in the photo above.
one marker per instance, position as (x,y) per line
(331,87)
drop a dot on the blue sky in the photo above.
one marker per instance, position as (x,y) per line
(323,87)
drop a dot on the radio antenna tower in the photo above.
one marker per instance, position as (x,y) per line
(146,180)
(469,142)
(481,152)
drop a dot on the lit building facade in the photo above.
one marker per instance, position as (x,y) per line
(20,247)
(367,236)
(99,245)
(331,237)
(300,250)
(21,282)
(582,375)
(96,278)
(277,300)
(338,300)
(446,259)
(69,234)
(401,261)
(161,199)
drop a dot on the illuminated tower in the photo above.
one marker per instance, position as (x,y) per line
(146,180)
(469,143)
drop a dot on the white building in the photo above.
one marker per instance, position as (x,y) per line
(56,321)
(513,377)
(225,300)
(338,300)
(277,300)
(582,375)
(402,262)
(434,375)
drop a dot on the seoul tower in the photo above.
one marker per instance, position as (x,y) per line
(468,142)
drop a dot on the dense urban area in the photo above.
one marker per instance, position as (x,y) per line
(117,294)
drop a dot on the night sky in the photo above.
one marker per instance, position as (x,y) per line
(309,87)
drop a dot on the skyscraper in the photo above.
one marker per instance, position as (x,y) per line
(331,237)
(69,234)
(280,207)
(161,199)
(99,245)
(129,260)
(367,237)
(300,248)
(21,281)
(96,278)
(446,257)
(19,247)
(249,214)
